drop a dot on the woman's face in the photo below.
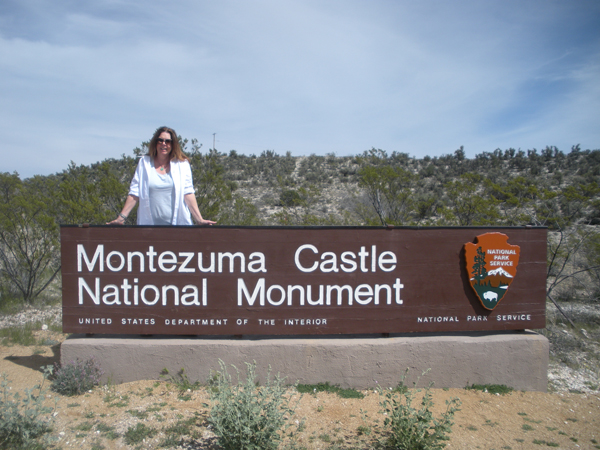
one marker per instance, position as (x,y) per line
(163,146)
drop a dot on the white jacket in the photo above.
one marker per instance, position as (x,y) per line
(181,172)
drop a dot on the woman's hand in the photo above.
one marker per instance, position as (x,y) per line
(192,204)
(130,202)
(120,220)
(205,222)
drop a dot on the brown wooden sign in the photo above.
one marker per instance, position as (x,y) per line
(313,280)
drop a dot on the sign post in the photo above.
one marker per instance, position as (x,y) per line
(301,280)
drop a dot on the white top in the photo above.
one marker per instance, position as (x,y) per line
(162,195)
(181,172)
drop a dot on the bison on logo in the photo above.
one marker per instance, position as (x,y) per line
(492,266)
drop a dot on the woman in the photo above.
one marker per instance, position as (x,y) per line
(163,185)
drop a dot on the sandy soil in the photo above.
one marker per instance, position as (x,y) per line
(99,419)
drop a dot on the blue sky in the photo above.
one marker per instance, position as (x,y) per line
(84,81)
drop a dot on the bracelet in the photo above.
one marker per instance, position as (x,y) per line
(123,216)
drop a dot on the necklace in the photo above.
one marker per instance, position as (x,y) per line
(163,167)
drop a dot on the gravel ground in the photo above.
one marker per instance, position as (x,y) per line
(50,314)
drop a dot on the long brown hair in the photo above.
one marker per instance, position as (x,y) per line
(176,152)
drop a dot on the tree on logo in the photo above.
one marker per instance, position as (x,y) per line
(479,271)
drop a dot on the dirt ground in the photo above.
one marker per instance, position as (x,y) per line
(99,419)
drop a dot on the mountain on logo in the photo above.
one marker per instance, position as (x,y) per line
(499,272)
(496,278)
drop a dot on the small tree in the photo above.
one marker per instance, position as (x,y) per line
(389,192)
(516,200)
(240,211)
(29,247)
(469,203)
(212,190)
(86,195)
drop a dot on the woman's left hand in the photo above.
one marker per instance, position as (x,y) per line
(192,204)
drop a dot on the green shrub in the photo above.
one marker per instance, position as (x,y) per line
(176,433)
(76,377)
(290,198)
(326,387)
(245,416)
(135,435)
(181,381)
(23,418)
(491,388)
(416,429)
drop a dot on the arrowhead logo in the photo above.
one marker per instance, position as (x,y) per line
(492,266)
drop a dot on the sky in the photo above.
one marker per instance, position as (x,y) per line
(84,81)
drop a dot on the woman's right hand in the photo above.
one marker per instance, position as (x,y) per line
(122,217)
(118,221)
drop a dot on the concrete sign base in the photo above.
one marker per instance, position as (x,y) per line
(516,359)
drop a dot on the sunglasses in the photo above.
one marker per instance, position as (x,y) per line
(165,141)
